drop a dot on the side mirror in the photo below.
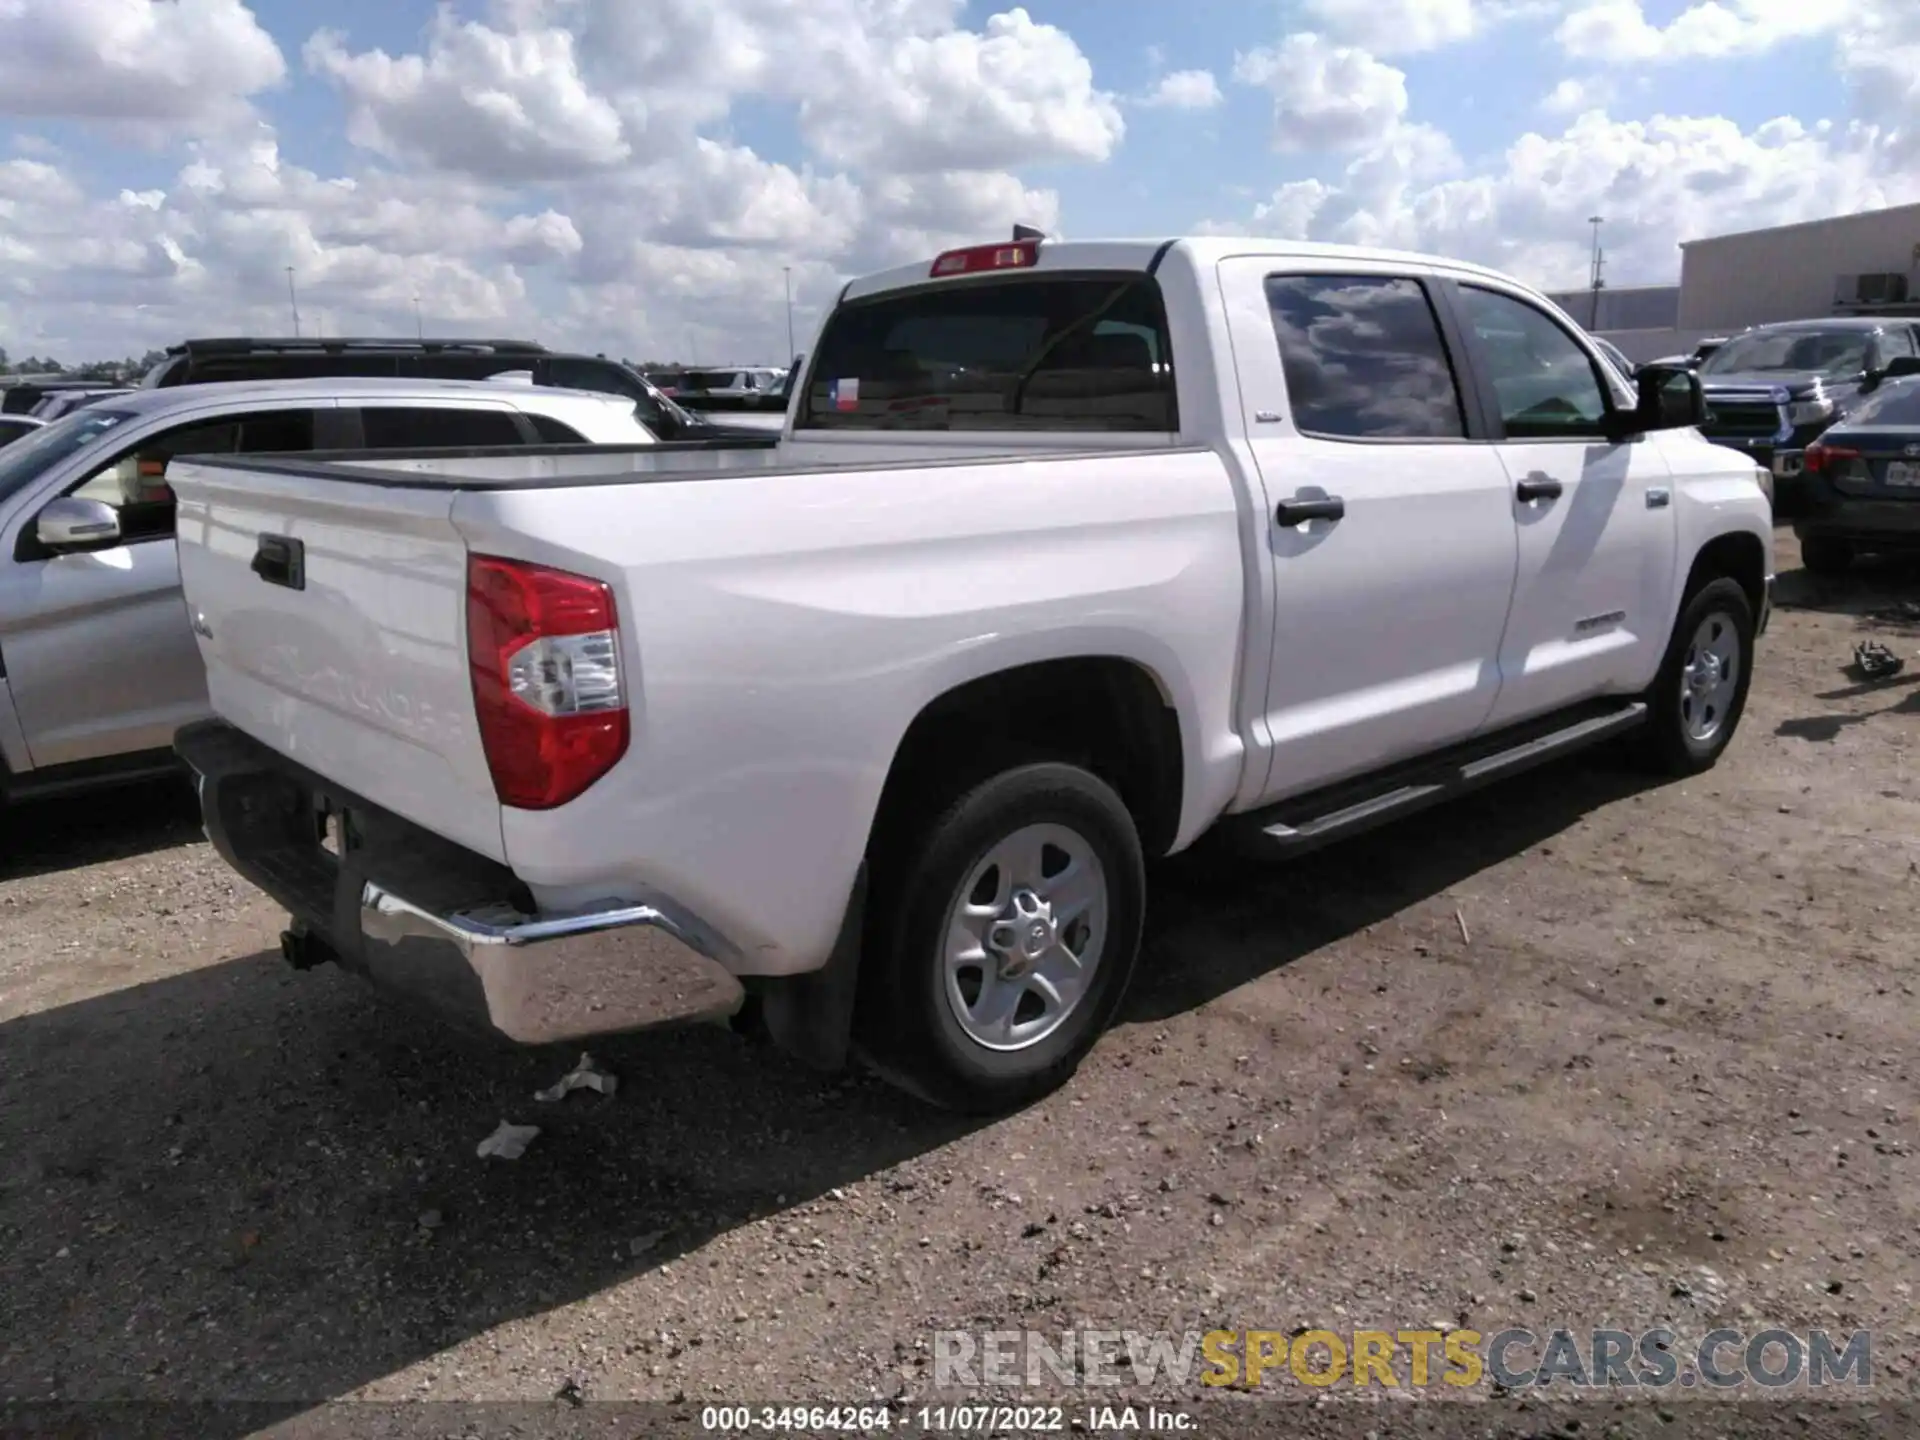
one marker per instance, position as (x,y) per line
(72,524)
(1670,398)
(1902,365)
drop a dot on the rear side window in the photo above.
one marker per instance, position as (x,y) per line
(552,432)
(1055,352)
(406,427)
(1364,358)
(1895,403)
(276,430)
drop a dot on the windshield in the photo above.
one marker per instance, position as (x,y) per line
(28,458)
(1798,352)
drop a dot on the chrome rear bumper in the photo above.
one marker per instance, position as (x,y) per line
(547,978)
(438,924)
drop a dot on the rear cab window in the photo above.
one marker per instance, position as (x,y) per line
(1047,351)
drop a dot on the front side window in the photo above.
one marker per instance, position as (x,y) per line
(1063,352)
(1364,358)
(1896,344)
(36,454)
(135,485)
(1545,385)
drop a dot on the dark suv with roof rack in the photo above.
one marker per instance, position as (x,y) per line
(199,362)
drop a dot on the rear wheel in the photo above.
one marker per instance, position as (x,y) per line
(1823,555)
(1003,939)
(1696,703)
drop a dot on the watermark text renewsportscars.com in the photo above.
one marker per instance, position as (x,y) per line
(1755,1362)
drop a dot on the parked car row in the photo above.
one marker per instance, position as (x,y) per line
(1831,407)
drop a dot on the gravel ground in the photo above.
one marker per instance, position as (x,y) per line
(1578,1051)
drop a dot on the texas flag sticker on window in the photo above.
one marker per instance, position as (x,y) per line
(846,394)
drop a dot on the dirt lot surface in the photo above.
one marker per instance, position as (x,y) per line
(1578,1051)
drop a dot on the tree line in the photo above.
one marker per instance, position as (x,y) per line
(91,370)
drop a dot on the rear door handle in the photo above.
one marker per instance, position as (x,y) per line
(281,560)
(1298,512)
(1539,487)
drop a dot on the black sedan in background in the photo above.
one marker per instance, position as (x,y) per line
(1861,484)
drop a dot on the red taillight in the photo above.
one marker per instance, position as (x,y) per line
(544,649)
(1821,457)
(987,257)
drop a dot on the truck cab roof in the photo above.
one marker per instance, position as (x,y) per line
(1149,255)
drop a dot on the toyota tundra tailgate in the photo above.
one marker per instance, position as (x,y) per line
(331,617)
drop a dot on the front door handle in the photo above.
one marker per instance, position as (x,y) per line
(1538,487)
(1298,512)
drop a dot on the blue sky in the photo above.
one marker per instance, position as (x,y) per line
(1486,128)
(1167,174)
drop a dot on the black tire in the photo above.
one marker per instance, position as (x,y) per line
(907,1028)
(1824,555)
(1667,743)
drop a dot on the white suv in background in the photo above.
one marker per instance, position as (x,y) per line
(98,665)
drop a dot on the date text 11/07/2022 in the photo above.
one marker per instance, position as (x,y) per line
(944,1419)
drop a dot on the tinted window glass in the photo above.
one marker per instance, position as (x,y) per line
(397,427)
(1895,343)
(552,432)
(1895,403)
(1544,384)
(1364,357)
(30,458)
(135,482)
(12,429)
(1078,353)
(222,368)
(276,430)
(1795,351)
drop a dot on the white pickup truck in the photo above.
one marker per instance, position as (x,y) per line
(1068,555)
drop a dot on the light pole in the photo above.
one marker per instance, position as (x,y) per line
(293,303)
(786,272)
(1594,275)
(419,326)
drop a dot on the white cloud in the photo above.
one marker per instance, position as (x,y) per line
(1325,96)
(1879,54)
(1017,93)
(186,64)
(1656,182)
(510,105)
(1185,90)
(1574,96)
(1394,27)
(1618,31)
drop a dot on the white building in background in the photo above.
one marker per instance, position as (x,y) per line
(1862,264)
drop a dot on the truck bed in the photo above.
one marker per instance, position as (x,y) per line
(747,613)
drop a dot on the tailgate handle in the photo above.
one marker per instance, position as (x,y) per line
(281,560)
(1299,512)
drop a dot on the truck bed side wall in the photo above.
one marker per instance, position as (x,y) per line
(786,630)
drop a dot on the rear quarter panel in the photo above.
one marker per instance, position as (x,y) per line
(783,631)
